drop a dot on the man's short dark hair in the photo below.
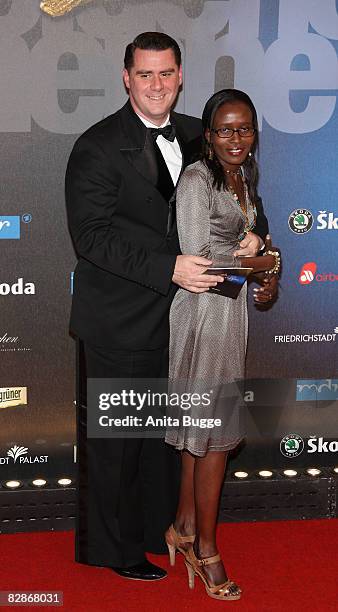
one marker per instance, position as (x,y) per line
(151,41)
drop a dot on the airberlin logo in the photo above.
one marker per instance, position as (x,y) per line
(309,273)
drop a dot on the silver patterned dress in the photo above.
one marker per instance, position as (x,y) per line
(208,332)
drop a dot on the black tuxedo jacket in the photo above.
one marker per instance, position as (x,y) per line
(124,232)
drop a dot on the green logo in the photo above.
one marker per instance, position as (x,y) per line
(291,445)
(300,221)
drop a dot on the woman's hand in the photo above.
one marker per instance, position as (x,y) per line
(249,246)
(269,261)
(268,292)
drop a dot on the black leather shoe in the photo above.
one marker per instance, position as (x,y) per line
(141,571)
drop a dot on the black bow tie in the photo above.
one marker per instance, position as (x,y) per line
(167,132)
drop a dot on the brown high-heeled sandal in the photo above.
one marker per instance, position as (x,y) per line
(228,590)
(174,542)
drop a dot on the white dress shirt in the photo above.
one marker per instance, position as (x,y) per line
(170,150)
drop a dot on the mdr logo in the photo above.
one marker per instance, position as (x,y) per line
(10,226)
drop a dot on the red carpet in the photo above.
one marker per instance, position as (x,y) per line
(289,565)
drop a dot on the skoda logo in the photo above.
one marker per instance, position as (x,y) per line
(300,221)
(291,445)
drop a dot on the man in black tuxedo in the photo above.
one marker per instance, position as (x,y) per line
(120,182)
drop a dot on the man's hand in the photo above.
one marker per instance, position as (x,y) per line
(249,246)
(189,274)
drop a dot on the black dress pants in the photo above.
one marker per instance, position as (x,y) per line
(127,487)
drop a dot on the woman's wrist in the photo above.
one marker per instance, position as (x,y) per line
(258,264)
(276,255)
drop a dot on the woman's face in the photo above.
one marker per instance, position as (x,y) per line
(232,152)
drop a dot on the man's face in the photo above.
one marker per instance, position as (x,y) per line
(153,83)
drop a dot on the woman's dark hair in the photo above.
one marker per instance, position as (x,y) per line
(250,165)
(151,41)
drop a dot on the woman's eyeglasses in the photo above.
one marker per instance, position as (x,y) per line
(243,132)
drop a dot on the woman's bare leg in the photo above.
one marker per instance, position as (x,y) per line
(185,523)
(208,481)
(201,483)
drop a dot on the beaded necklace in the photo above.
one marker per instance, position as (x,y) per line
(244,206)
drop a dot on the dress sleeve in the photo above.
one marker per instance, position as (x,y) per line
(193,204)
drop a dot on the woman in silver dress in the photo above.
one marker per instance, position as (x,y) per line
(216,200)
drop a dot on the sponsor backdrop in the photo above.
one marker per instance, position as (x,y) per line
(59,76)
